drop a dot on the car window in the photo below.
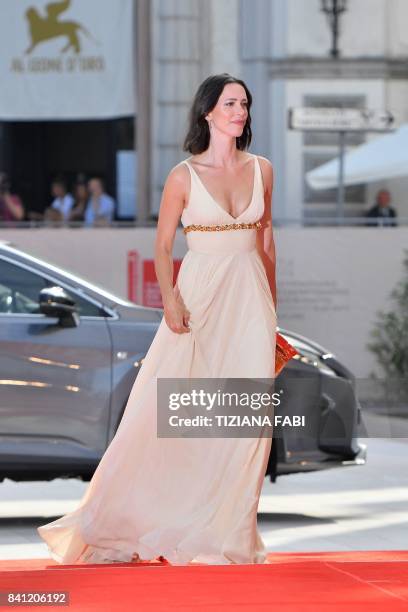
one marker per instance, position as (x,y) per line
(19,290)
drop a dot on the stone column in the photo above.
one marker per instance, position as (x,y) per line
(191,39)
(143,96)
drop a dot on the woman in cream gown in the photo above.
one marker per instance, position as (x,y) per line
(193,500)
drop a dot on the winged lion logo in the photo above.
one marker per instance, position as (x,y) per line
(44,28)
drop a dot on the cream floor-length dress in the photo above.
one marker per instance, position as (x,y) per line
(191,500)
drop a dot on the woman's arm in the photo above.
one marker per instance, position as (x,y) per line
(264,240)
(171,209)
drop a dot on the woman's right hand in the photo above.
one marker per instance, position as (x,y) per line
(176,314)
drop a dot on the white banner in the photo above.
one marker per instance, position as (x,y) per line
(66,59)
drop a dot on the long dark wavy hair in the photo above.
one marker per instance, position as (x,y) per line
(206,97)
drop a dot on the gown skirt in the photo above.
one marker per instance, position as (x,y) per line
(190,500)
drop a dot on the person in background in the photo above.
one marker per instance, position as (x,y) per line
(101,206)
(382,213)
(81,197)
(62,203)
(11,207)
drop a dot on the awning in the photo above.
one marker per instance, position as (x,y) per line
(382,158)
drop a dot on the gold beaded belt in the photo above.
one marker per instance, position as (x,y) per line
(220,228)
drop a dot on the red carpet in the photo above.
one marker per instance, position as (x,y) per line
(367,581)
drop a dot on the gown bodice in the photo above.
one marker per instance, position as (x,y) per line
(203,209)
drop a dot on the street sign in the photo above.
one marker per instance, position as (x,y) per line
(340,119)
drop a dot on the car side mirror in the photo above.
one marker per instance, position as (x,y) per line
(56,302)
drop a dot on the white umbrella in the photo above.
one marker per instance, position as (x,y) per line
(383,158)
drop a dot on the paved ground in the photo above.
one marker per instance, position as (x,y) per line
(352,508)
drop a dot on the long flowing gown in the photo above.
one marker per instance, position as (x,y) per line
(190,500)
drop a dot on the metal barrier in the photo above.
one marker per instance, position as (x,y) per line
(277,222)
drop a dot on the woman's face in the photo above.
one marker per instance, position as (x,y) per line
(230,113)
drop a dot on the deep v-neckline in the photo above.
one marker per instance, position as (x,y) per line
(217,203)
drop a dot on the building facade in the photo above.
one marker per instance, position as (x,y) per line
(281,49)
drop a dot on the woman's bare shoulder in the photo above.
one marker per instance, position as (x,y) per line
(267,172)
(179,176)
(177,184)
(265,163)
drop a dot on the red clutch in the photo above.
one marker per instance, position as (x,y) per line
(284,351)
